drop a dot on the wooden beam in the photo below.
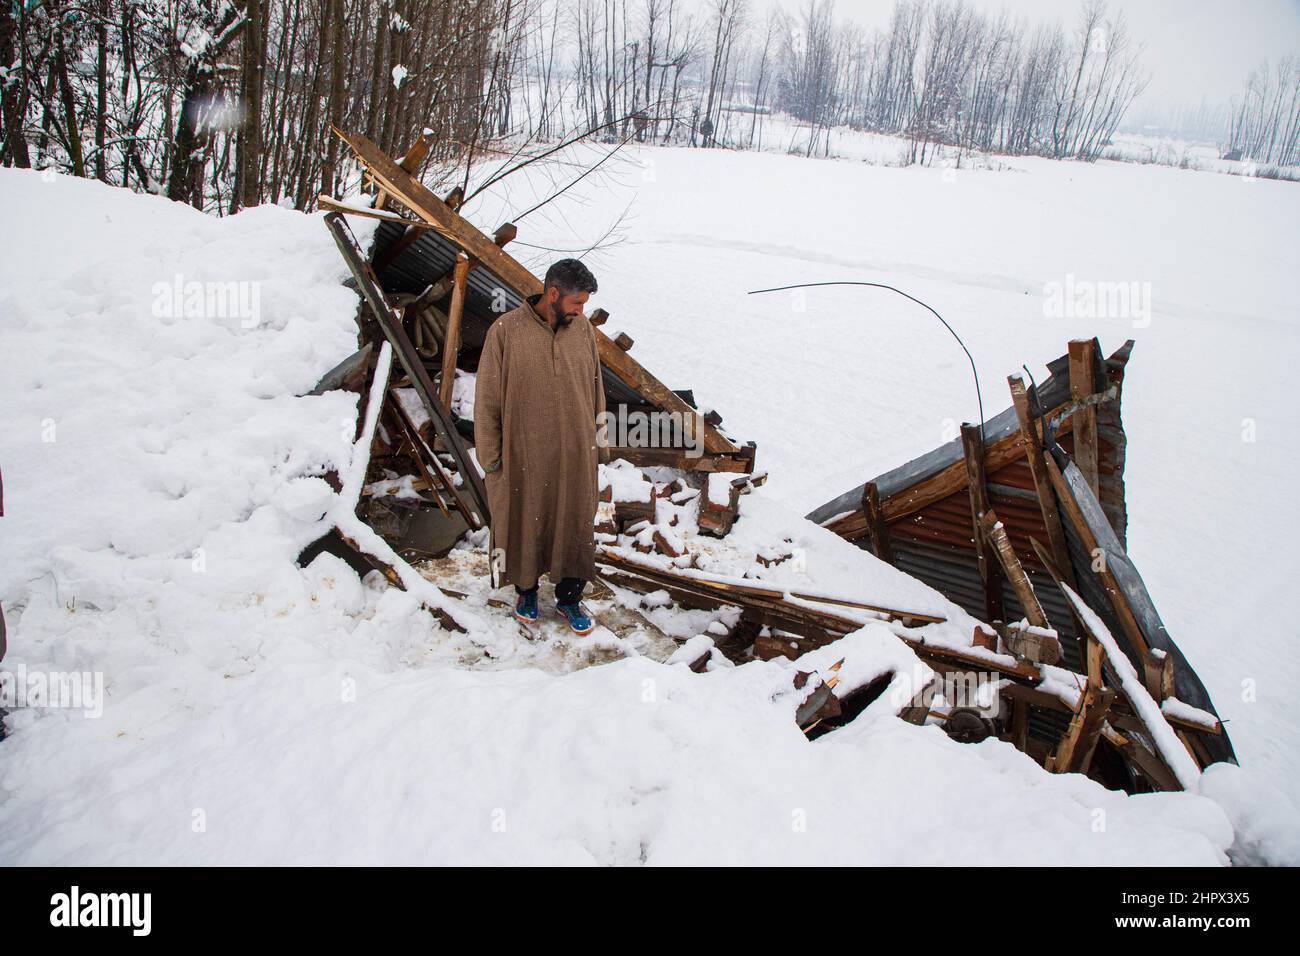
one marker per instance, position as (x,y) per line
(737,593)
(1095,659)
(876,523)
(451,348)
(973,450)
(416,197)
(997,535)
(680,459)
(1041,645)
(389,320)
(432,468)
(1018,731)
(411,163)
(403,425)
(1082,360)
(1074,753)
(330,204)
(1114,593)
(506,233)
(940,485)
(1158,675)
(1042,483)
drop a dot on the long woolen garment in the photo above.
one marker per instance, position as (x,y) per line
(535,405)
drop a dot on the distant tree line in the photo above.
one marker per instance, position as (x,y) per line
(228,103)
(1264,125)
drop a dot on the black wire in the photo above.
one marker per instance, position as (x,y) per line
(881,285)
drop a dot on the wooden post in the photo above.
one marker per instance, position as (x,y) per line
(1171,759)
(410,163)
(1085,419)
(1113,591)
(452,349)
(1074,753)
(506,232)
(1158,675)
(875,516)
(997,534)
(1018,732)
(1042,483)
(973,447)
(1040,645)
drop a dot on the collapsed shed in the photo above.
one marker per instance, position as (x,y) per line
(1021,523)
(1009,522)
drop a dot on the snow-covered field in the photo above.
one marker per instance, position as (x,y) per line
(159,478)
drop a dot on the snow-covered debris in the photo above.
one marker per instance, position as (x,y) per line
(232,676)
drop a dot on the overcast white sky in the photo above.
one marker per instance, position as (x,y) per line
(1195,48)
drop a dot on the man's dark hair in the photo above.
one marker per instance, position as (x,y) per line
(570,276)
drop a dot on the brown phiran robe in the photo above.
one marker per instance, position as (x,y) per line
(535,405)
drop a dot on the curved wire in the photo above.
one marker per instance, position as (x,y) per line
(881,285)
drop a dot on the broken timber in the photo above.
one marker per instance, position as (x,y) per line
(401,186)
(1043,505)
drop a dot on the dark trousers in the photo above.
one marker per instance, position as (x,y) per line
(567,591)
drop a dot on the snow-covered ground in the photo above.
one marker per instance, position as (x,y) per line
(160,475)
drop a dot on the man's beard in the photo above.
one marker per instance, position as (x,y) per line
(558,315)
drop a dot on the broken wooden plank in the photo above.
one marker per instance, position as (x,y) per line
(876,524)
(681,459)
(330,204)
(1100,567)
(1015,572)
(1042,483)
(390,323)
(451,348)
(410,163)
(1082,359)
(1074,752)
(416,197)
(1128,684)
(735,588)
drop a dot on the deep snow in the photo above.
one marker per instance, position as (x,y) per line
(160,475)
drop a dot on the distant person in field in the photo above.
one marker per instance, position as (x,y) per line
(706,131)
(536,403)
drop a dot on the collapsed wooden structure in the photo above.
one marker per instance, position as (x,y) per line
(1021,522)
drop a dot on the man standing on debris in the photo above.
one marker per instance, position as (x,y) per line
(536,403)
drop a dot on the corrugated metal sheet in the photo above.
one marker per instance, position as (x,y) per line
(431,257)
(936,543)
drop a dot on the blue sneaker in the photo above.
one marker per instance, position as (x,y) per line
(579,621)
(526,607)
